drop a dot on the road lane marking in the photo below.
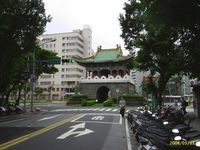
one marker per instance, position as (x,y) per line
(98,114)
(51,117)
(95,109)
(108,109)
(36,133)
(128,136)
(114,109)
(73,131)
(97,118)
(12,121)
(85,109)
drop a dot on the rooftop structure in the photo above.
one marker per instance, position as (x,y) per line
(107,74)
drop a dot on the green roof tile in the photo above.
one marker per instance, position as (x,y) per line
(105,55)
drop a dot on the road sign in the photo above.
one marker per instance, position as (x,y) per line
(54,60)
(74,132)
(67,60)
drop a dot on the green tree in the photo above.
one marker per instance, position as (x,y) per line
(38,92)
(182,15)
(23,69)
(21,22)
(158,52)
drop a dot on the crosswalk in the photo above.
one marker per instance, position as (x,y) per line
(88,109)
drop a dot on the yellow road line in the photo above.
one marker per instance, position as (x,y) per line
(33,134)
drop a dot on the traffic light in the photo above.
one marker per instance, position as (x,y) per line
(54,60)
(67,60)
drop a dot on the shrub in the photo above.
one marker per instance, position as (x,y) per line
(77,98)
(133,99)
(108,102)
(84,103)
(88,103)
(91,102)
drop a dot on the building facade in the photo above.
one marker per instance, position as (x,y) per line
(77,43)
(107,75)
(137,77)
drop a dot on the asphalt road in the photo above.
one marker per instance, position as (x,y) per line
(61,127)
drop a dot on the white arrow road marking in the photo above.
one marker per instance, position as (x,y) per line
(97,118)
(73,131)
(46,118)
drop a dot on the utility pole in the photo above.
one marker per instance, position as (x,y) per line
(33,76)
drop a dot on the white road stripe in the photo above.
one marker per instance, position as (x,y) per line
(102,109)
(86,109)
(114,109)
(128,136)
(51,117)
(95,109)
(108,109)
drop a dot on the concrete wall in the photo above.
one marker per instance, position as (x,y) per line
(91,88)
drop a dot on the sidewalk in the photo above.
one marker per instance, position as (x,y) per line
(196,122)
(20,115)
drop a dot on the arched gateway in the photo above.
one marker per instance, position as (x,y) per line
(106,71)
(102,93)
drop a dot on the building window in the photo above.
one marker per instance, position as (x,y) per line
(45,76)
(45,83)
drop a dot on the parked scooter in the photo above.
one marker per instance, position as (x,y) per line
(157,131)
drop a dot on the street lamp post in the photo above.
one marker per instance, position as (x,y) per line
(33,76)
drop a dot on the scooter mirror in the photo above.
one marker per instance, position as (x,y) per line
(177,138)
(198,144)
(165,122)
(175,130)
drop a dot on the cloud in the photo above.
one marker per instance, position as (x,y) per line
(101,15)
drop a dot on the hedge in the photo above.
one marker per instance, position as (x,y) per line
(108,102)
(88,103)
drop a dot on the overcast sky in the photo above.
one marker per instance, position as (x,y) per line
(101,15)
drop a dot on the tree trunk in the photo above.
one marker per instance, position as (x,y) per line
(161,87)
(19,95)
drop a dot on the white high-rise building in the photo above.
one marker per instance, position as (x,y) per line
(137,77)
(77,43)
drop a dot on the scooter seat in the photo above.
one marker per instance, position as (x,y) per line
(191,135)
